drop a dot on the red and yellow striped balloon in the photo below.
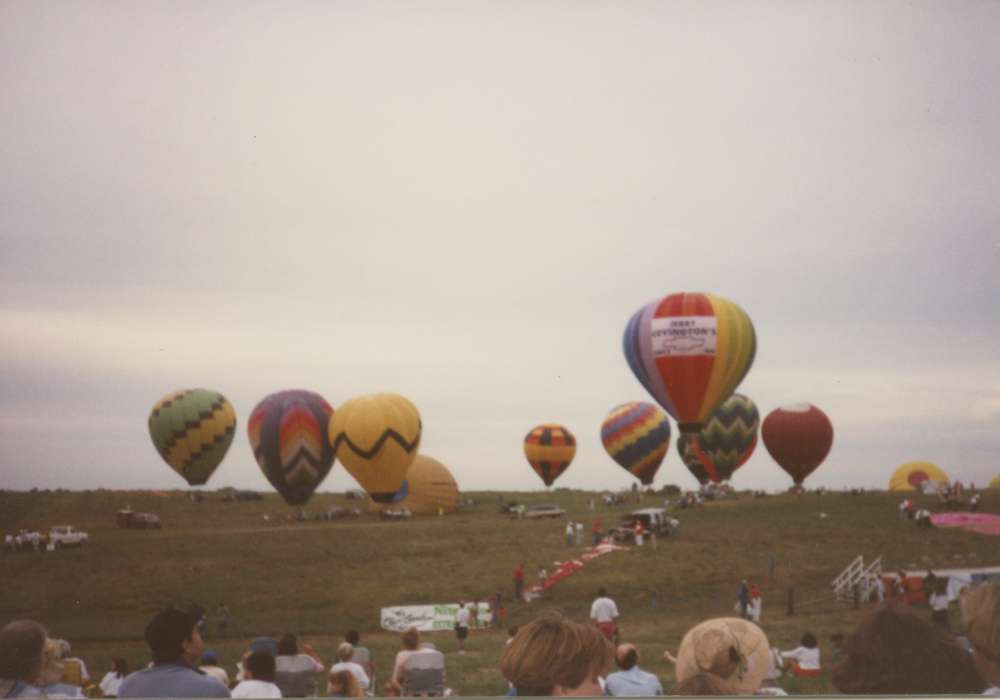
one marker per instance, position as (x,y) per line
(550,449)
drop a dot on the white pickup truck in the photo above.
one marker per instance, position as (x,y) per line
(66,536)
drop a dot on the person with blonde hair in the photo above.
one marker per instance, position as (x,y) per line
(980,608)
(553,655)
(345,652)
(734,651)
(343,684)
(53,667)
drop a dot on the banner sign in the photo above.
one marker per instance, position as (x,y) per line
(428,618)
(683,336)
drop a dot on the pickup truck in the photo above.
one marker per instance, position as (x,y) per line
(652,519)
(66,536)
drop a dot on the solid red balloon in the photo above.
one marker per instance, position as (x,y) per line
(798,437)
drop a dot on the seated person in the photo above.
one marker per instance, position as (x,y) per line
(981,614)
(553,655)
(803,661)
(22,651)
(631,680)
(52,672)
(345,653)
(343,684)
(296,672)
(362,654)
(895,651)
(258,673)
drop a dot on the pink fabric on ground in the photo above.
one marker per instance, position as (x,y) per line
(982,523)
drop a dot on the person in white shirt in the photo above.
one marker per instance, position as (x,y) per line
(803,661)
(113,678)
(258,671)
(603,612)
(345,652)
(462,625)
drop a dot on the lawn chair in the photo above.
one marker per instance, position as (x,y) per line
(423,675)
(363,656)
(297,684)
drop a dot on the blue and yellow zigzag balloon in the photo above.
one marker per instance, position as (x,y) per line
(637,436)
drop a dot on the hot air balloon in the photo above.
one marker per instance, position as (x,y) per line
(912,475)
(376,438)
(429,488)
(287,433)
(192,431)
(549,449)
(690,351)
(728,439)
(637,435)
(798,438)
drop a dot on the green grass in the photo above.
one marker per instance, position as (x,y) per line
(318,579)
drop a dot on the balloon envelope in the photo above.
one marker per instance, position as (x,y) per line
(728,440)
(376,438)
(637,435)
(287,433)
(798,438)
(994,483)
(911,476)
(429,487)
(192,430)
(690,351)
(549,449)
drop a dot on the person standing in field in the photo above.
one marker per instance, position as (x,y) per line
(579,534)
(462,618)
(597,531)
(743,598)
(570,530)
(519,581)
(474,614)
(755,603)
(639,532)
(222,612)
(603,612)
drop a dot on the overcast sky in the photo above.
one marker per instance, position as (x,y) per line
(464,202)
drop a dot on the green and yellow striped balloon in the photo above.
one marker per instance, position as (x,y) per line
(192,431)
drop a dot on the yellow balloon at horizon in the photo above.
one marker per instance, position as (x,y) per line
(376,438)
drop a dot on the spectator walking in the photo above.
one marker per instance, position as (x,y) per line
(631,680)
(176,645)
(604,612)
(743,599)
(519,581)
(258,674)
(462,625)
(756,603)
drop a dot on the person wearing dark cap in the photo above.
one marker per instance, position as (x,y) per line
(176,644)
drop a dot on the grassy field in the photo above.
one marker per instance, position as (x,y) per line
(318,579)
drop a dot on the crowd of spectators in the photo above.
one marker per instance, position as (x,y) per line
(892,651)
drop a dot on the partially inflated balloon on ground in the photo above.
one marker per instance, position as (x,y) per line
(912,475)
(690,351)
(728,440)
(994,483)
(287,433)
(550,449)
(798,437)
(192,430)
(429,488)
(376,438)
(637,435)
